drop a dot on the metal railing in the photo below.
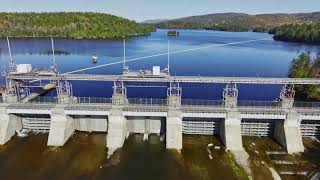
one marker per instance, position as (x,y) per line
(185,103)
(147,102)
(93,100)
(42,100)
(75,100)
(259,104)
(306,105)
(201,103)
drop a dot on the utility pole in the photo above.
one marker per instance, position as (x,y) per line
(54,64)
(168,65)
(125,67)
(53,55)
(12,66)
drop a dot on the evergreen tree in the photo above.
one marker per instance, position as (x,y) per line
(303,67)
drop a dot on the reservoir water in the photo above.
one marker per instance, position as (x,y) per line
(265,58)
(84,156)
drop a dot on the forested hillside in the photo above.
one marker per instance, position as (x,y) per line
(69,25)
(238,21)
(306,33)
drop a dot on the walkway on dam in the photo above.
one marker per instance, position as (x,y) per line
(161,105)
(181,79)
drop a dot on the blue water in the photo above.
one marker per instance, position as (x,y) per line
(266,58)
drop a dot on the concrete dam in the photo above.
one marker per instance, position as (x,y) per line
(284,120)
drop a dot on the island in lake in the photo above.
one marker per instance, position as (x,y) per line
(173,33)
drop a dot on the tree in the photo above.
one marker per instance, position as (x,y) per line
(317,60)
(303,67)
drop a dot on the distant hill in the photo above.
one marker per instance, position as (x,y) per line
(238,21)
(314,17)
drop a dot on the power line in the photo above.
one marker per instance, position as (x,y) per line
(162,54)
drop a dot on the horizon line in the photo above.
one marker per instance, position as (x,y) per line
(172,18)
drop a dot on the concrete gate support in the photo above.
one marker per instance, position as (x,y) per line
(61,128)
(288,133)
(117,122)
(230,128)
(9,123)
(230,131)
(174,130)
(117,130)
(174,117)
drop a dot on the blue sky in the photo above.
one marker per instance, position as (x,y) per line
(140,10)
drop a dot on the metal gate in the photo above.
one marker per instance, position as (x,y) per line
(202,126)
(257,127)
(310,128)
(36,123)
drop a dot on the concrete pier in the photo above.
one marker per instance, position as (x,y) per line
(230,131)
(117,130)
(287,133)
(174,123)
(287,103)
(61,127)
(174,130)
(9,123)
(117,123)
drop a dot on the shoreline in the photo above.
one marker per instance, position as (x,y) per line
(74,38)
(144,35)
(273,35)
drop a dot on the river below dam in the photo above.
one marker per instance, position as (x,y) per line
(84,156)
